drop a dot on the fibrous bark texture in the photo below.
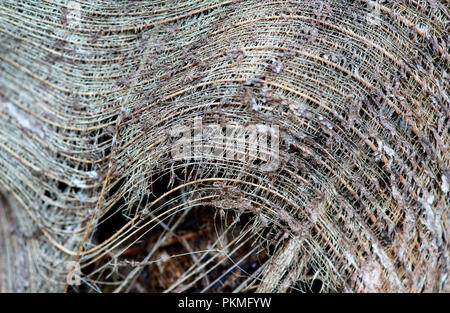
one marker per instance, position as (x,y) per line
(90,92)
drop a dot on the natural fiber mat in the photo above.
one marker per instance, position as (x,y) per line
(93,200)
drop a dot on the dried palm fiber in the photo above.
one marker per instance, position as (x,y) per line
(359,90)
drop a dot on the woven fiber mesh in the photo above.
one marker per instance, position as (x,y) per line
(359,91)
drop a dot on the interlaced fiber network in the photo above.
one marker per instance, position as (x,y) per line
(358,92)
